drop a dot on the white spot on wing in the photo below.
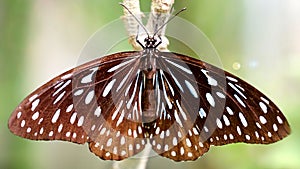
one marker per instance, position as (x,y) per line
(226,120)
(55,116)
(175,79)
(188,142)
(97,111)
(117,110)
(89,97)
(162,134)
(219,123)
(165,91)
(40,121)
(67,76)
(169,85)
(229,110)
(120,65)
(269,134)
(238,129)
(221,95)
(19,114)
(69,108)
(181,110)
(60,127)
(59,97)
(265,100)
(205,129)
(202,113)
(88,78)
(258,125)
(275,128)
(263,107)
(80,121)
(73,118)
(243,119)
(181,150)
(175,142)
(191,89)
(256,134)
(124,79)
(78,92)
(23,122)
(62,87)
(108,88)
(35,104)
(50,133)
(180,67)
(237,90)
(177,118)
(109,142)
(33,97)
(211,81)
(42,130)
(210,99)
(35,115)
(239,87)
(231,79)
(279,120)
(262,119)
(121,119)
(93,127)
(59,84)
(239,100)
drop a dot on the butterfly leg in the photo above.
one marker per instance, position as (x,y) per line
(137,40)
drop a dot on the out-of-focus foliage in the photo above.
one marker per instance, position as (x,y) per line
(40,39)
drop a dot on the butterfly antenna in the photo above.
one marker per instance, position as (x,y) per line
(139,22)
(183,9)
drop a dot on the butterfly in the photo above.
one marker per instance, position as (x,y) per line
(121,102)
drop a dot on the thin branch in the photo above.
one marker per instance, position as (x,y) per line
(130,22)
(160,12)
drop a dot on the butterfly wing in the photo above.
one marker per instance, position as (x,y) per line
(210,107)
(100,102)
(95,103)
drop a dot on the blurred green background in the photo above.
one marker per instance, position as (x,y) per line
(256,40)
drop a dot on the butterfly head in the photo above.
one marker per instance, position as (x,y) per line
(150,42)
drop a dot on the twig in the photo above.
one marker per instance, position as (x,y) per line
(160,11)
(130,23)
